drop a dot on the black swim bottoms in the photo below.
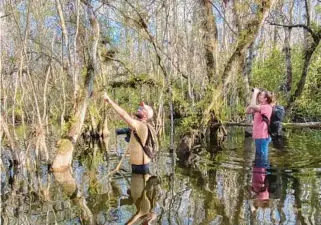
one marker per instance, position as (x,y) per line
(140,169)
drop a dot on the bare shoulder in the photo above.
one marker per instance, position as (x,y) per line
(140,126)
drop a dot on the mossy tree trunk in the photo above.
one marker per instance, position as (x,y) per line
(246,36)
(65,145)
(209,39)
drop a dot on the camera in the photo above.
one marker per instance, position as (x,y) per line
(260,89)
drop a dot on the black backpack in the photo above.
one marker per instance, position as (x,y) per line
(275,125)
(151,146)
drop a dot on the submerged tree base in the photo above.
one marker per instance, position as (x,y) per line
(63,158)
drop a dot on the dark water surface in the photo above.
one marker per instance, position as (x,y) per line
(231,186)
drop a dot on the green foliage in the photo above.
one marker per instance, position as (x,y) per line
(181,106)
(270,74)
(318,9)
(186,115)
(308,106)
(94,111)
(72,121)
(187,123)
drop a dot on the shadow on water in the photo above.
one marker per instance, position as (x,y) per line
(235,185)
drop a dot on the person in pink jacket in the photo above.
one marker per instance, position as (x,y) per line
(260,107)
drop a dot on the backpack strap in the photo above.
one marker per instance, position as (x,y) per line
(267,121)
(140,140)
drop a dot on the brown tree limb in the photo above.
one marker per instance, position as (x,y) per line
(64,31)
(288,57)
(14,146)
(313,34)
(236,17)
(119,164)
(114,170)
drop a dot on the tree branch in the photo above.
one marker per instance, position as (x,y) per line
(223,17)
(4,16)
(185,76)
(307,12)
(314,36)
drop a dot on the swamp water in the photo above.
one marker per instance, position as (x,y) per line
(232,186)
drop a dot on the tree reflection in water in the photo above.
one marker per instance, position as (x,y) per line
(234,186)
(68,184)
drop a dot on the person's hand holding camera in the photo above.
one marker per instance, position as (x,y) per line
(255,91)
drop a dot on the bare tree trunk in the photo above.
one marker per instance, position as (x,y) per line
(65,150)
(287,52)
(40,132)
(288,63)
(247,69)
(65,34)
(22,53)
(63,103)
(75,72)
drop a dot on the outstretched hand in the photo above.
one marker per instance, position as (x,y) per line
(106,97)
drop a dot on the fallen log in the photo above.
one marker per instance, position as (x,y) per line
(285,125)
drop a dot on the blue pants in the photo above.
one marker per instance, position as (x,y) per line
(262,151)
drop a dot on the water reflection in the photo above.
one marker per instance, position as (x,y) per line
(266,193)
(260,183)
(236,186)
(68,184)
(144,191)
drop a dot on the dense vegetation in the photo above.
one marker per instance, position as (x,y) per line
(191,60)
